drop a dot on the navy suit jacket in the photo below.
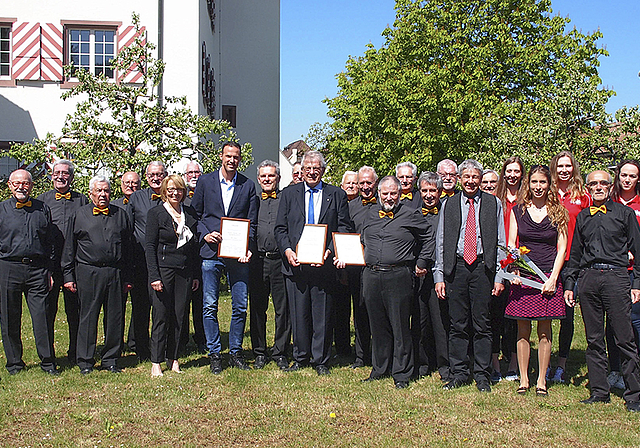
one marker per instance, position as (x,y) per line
(207,202)
(292,217)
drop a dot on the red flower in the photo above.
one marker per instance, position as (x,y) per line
(507,261)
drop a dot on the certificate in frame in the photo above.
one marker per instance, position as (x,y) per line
(235,238)
(312,244)
(348,248)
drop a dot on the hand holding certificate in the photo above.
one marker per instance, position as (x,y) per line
(312,243)
(235,238)
(348,248)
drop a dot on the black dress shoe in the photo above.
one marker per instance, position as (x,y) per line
(112,369)
(322,370)
(357,364)
(216,364)
(260,362)
(454,384)
(401,384)
(15,371)
(86,370)
(295,367)
(52,371)
(594,399)
(633,406)
(282,363)
(238,362)
(484,386)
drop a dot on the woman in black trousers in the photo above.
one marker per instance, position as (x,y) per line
(171,253)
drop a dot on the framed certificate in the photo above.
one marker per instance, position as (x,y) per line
(235,238)
(348,248)
(312,244)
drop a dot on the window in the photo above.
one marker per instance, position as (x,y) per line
(5,51)
(92,50)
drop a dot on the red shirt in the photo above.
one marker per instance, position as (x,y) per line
(573,206)
(634,204)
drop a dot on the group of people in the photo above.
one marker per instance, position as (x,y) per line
(432,295)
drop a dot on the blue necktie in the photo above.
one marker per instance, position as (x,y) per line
(310,212)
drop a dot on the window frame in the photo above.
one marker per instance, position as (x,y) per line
(7,80)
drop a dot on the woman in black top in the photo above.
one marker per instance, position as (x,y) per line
(171,252)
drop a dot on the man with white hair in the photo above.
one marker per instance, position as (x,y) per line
(192,173)
(447,169)
(407,174)
(97,259)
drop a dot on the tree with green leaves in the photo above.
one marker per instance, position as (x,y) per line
(456,78)
(118,126)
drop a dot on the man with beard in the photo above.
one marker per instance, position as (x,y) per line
(192,173)
(448,172)
(129,183)
(407,173)
(63,203)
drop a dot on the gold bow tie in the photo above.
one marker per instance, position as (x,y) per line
(427,210)
(595,210)
(190,193)
(23,204)
(448,194)
(406,196)
(382,214)
(67,196)
(125,201)
(98,210)
(155,196)
(371,200)
(269,195)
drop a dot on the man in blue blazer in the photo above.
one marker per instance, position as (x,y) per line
(310,287)
(224,193)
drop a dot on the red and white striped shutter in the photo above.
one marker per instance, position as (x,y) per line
(51,52)
(126,38)
(26,51)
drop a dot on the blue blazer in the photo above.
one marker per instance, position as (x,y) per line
(207,202)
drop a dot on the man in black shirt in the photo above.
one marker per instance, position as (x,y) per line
(97,261)
(266,275)
(407,173)
(129,183)
(604,234)
(26,263)
(397,241)
(140,203)
(447,169)
(63,203)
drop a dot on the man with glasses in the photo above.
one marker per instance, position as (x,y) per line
(129,183)
(63,203)
(407,174)
(448,172)
(296,173)
(192,173)
(140,203)
(27,259)
(603,236)
(310,287)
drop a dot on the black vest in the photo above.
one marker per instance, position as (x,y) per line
(488,230)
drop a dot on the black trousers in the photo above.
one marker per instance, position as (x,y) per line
(360,316)
(99,287)
(607,292)
(15,279)
(71,309)
(195,305)
(310,306)
(170,313)
(504,332)
(265,276)
(469,294)
(432,319)
(342,314)
(388,295)
(140,309)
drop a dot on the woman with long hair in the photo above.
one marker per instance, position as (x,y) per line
(538,222)
(505,331)
(567,181)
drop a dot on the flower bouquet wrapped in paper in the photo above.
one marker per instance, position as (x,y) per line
(517,258)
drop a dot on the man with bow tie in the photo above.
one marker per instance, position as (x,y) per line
(96,261)
(192,173)
(129,183)
(63,203)
(604,234)
(447,169)
(398,242)
(266,275)
(407,173)
(27,258)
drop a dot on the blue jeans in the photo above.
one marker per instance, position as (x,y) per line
(238,276)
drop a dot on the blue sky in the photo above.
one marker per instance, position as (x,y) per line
(317,37)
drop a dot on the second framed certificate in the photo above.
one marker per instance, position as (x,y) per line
(235,238)
(311,247)
(349,248)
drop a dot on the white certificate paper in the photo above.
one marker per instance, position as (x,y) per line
(235,238)
(311,247)
(348,248)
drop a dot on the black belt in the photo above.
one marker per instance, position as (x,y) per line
(270,255)
(604,266)
(388,267)
(27,260)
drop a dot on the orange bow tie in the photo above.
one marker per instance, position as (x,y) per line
(98,210)
(190,193)
(593,210)
(155,196)
(427,210)
(382,214)
(448,194)
(125,201)
(371,200)
(23,204)
(269,195)
(406,196)
(67,196)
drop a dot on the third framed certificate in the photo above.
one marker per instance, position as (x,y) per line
(311,247)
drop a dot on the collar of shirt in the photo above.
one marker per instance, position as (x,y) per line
(227,188)
(317,201)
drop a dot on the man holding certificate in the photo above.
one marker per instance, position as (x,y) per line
(225,193)
(318,209)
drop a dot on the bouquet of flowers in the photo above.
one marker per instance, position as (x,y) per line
(517,258)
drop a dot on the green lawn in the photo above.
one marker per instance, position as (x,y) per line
(272,408)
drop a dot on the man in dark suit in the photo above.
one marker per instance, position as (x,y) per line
(310,287)
(407,174)
(140,203)
(225,193)
(129,183)
(63,203)
(470,230)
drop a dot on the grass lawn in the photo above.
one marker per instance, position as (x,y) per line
(273,408)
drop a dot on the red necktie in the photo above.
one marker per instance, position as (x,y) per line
(470,244)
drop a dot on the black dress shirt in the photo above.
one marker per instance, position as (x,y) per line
(140,203)
(98,240)
(61,212)
(267,214)
(26,232)
(393,241)
(604,238)
(358,212)
(120,203)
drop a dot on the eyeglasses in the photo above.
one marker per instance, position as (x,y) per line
(308,169)
(447,175)
(18,184)
(61,174)
(174,190)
